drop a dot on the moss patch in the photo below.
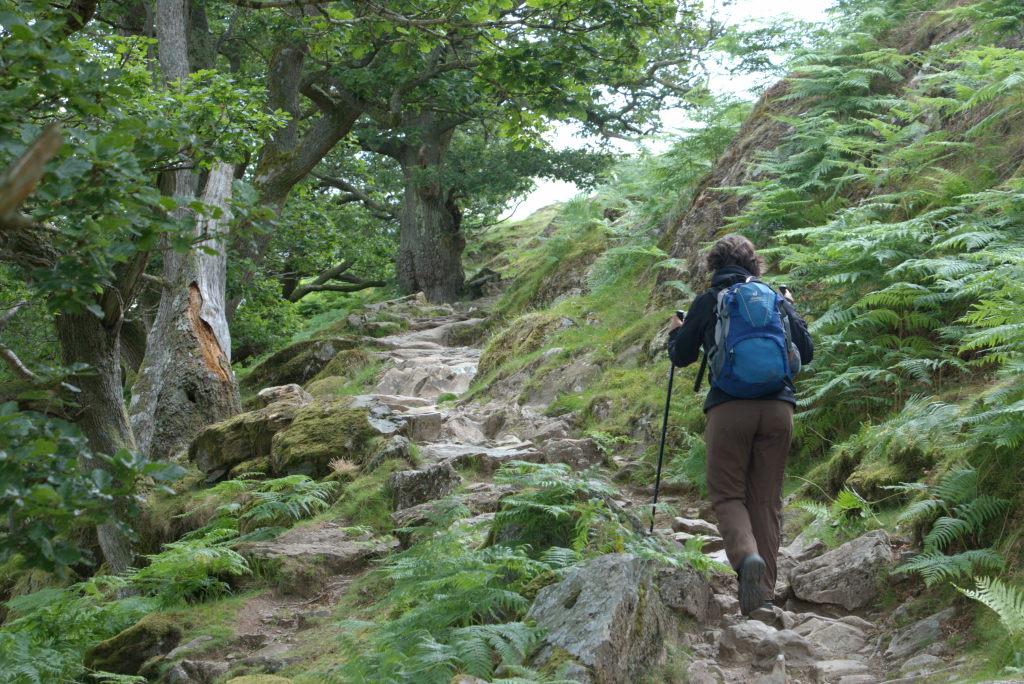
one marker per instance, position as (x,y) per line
(296,363)
(125,652)
(524,335)
(322,431)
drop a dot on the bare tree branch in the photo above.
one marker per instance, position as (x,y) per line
(355,192)
(19,179)
(15,364)
(321,282)
(9,314)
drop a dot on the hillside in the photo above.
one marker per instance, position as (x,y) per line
(460,492)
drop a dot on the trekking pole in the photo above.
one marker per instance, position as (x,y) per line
(664,430)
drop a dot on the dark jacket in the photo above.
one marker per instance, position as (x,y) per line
(685,342)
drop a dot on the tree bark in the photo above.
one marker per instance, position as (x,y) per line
(85,338)
(431,242)
(186,381)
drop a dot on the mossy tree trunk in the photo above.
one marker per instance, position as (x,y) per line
(93,340)
(431,241)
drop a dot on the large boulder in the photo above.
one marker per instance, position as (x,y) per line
(296,363)
(604,623)
(324,430)
(305,556)
(244,437)
(125,652)
(847,576)
(916,636)
(579,454)
(292,394)
(412,487)
(685,590)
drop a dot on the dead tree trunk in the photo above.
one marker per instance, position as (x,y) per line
(186,381)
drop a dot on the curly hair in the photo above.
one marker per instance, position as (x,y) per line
(734,250)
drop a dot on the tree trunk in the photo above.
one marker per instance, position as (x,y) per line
(84,338)
(430,242)
(186,381)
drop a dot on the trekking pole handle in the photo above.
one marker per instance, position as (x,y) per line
(681,315)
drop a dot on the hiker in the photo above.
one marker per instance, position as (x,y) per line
(747,438)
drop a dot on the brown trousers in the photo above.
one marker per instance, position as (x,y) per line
(748,441)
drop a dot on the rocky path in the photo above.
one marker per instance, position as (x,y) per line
(825,633)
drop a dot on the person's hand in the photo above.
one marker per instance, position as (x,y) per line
(674,323)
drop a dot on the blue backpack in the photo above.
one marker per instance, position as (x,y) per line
(754,354)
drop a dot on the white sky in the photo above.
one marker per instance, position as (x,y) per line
(548,192)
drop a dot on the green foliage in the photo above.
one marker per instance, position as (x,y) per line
(957,514)
(1006,600)
(119,130)
(196,567)
(455,606)
(47,632)
(54,485)
(846,516)
(456,609)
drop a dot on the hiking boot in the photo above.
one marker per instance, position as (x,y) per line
(751,573)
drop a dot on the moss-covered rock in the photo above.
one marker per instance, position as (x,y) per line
(259,679)
(296,363)
(324,430)
(345,363)
(326,387)
(125,652)
(526,334)
(260,466)
(240,438)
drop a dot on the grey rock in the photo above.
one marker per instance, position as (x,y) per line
(695,526)
(423,425)
(859,679)
(579,454)
(328,548)
(204,671)
(292,394)
(705,672)
(428,375)
(685,590)
(846,576)
(922,663)
(834,670)
(740,641)
(804,547)
(484,459)
(918,635)
(608,616)
(413,487)
(190,646)
(834,639)
(176,674)
(710,544)
(777,674)
(397,448)
(799,652)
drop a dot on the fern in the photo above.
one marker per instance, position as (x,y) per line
(1007,602)
(935,566)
